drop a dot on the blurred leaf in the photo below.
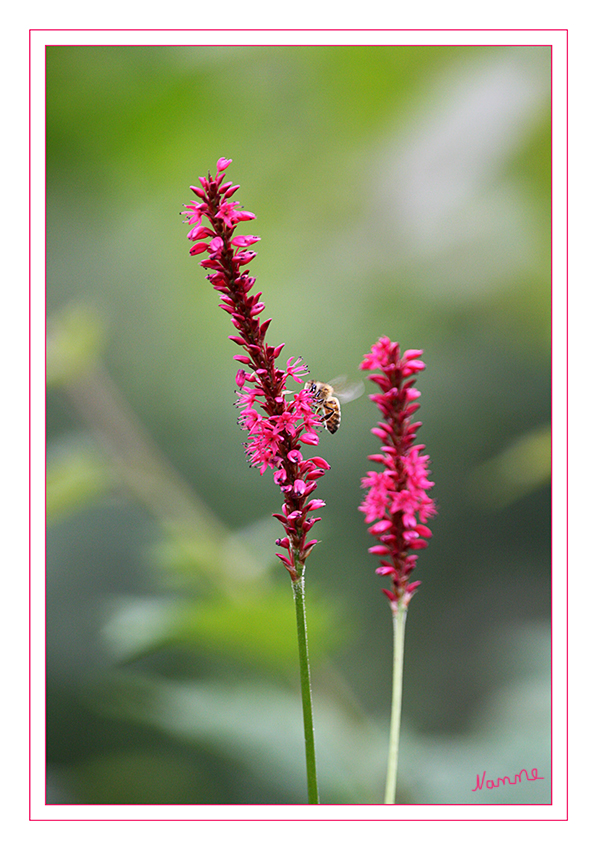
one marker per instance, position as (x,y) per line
(260,728)
(135,627)
(257,629)
(185,553)
(186,556)
(129,778)
(260,629)
(74,480)
(75,341)
(522,467)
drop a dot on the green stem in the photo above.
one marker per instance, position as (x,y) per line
(298,588)
(399,623)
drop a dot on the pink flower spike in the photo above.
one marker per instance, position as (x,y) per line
(277,423)
(396,503)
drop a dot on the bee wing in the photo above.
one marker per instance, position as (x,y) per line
(345,390)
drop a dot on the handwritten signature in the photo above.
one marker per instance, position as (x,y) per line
(505,780)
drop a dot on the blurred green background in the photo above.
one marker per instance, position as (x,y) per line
(398,190)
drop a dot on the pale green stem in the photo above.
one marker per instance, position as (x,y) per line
(399,623)
(298,588)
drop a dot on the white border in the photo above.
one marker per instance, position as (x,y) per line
(37,423)
(237,37)
(558,809)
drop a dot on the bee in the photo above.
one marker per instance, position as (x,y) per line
(327,397)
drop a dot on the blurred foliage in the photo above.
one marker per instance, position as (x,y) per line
(398,190)
(74,343)
(74,478)
(521,468)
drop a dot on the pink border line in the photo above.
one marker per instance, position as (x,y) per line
(302,806)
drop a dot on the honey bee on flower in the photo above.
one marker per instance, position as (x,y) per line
(326,399)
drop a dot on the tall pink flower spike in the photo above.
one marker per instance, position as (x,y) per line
(397,502)
(278,423)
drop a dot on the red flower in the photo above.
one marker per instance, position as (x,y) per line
(276,422)
(397,502)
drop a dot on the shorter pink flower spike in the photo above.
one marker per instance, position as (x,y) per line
(396,502)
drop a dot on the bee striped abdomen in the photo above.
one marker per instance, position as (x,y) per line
(325,404)
(332,415)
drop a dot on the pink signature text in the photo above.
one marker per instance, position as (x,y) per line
(505,780)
